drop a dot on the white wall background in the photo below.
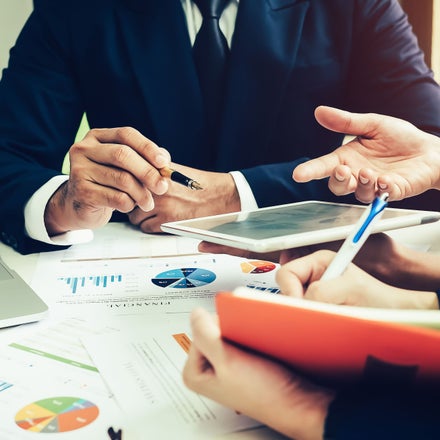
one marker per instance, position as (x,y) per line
(13,14)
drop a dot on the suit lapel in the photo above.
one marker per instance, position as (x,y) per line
(160,52)
(264,48)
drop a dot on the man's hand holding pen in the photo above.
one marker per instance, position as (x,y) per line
(110,169)
(119,169)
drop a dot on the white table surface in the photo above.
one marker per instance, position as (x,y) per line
(423,237)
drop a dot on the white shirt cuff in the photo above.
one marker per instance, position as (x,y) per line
(34,217)
(247,199)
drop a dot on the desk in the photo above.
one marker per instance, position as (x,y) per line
(424,237)
(26,266)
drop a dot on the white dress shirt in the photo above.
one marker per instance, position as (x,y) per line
(35,207)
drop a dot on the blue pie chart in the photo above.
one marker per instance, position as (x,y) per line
(184,278)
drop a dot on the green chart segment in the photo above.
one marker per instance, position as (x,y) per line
(184,278)
(56,414)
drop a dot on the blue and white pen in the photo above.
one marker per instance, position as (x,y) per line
(357,238)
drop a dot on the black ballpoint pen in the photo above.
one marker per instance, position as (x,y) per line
(175,176)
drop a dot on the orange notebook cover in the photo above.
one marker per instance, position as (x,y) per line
(331,342)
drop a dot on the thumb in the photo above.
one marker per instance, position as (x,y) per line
(294,277)
(342,121)
(206,334)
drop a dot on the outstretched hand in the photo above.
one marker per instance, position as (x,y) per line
(387,155)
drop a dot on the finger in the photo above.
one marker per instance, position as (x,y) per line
(151,224)
(96,190)
(329,291)
(158,157)
(387,184)
(214,248)
(342,121)
(366,189)
(197,369)
(342,181)
(206,335)
(104,198)
(295,276)
(137,215)
(114,187)
(314,169)
(127,149)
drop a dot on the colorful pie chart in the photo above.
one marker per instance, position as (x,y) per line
(257,266)
(184,278)
(56,414)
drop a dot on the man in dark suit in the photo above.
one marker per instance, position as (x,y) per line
(129,63)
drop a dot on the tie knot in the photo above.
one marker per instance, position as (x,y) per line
(211,8)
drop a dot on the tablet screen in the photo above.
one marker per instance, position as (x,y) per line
(288,220)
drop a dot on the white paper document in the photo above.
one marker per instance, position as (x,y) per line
(128,372)
(49,385)
(144,371)
(144,285)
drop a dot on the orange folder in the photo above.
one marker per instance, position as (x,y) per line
(331,342)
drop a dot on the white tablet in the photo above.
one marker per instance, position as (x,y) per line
(292,225)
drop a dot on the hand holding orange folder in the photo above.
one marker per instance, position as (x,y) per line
(337,344)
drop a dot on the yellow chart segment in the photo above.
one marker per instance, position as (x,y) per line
(33,411)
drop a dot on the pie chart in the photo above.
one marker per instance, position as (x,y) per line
(184,278)
(56,414)
(257,266)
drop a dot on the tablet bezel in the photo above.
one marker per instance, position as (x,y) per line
(186,228)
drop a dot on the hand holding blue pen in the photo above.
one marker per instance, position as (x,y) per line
(357,238)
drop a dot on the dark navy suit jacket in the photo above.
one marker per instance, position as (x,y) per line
(129,62)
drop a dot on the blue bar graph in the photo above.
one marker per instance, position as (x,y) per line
(96,281)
